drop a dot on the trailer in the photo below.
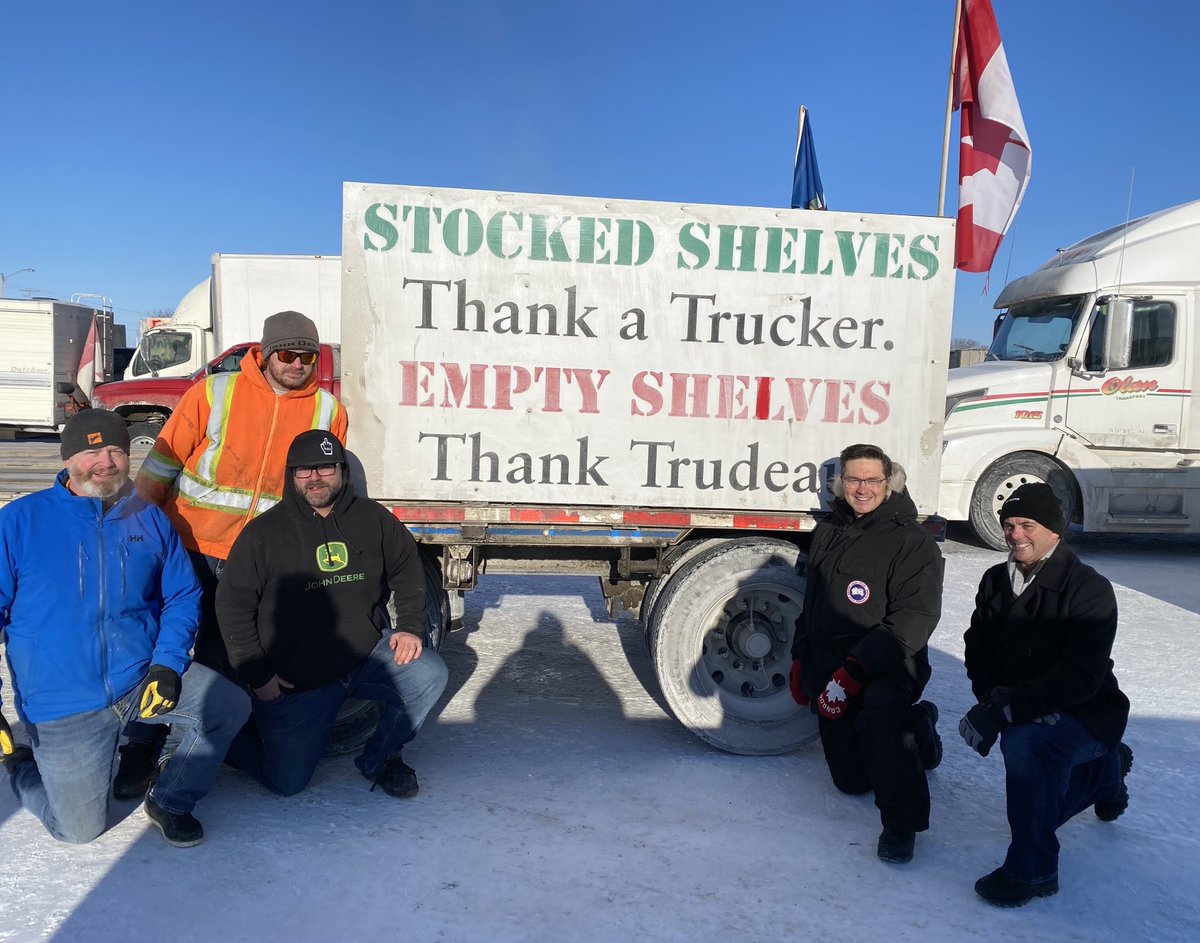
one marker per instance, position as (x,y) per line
(42,343)
(653,394)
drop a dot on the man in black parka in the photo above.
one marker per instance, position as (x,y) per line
(1038,654)
(873,598)
(302,609)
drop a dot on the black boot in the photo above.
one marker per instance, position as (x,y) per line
(929,744)
(896,846)
(1001,890)
(180,830)
(396,778)
(1111,809)
(137,771)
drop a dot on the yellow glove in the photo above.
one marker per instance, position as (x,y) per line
(6,740)
(160,692)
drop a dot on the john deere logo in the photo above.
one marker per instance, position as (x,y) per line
(332,556)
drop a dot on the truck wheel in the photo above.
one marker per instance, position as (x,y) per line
(355,723)
(1003,478)
(143,434)
(720,639)
(674,561)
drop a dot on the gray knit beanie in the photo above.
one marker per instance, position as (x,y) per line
(289,330)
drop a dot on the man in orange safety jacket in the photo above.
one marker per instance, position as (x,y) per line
(220,462)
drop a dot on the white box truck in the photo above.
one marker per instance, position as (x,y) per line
(1088,386)
(41,344)
(230,305)
(651,393)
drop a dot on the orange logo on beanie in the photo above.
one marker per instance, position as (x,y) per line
(95,438)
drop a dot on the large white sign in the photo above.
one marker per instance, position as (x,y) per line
(531,349)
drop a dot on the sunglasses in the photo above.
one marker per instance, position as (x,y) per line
(308,358)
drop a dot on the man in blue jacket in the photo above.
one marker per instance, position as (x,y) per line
(99,605)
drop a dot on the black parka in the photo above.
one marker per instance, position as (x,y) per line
(304,596)
(1051,646)
(874,592)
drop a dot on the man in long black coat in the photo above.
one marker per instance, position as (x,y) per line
(873,598)
(1038,656)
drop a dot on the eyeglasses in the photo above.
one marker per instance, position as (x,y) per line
(306,471)
(307,357)
(872,483)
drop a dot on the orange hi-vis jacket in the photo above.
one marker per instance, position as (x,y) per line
(221,458)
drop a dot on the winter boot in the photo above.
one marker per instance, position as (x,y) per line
(1112,808)
(180,830)
(896,846)
(929,744)
(396,778)
(136,772)
(1001,890)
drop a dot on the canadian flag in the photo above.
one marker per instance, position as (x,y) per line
(90,362)
(994,157)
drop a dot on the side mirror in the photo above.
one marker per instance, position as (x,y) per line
(1118,334)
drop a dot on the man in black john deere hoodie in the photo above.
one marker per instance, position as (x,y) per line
(873,598)
(302,609)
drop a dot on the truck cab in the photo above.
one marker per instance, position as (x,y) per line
(181,345)
(1087,386)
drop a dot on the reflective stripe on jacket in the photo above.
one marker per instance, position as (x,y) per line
(219,460)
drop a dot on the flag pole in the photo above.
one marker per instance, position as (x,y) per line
(799,130)
(958,4)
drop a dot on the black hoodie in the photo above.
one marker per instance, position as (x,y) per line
(304,596)
(874,592)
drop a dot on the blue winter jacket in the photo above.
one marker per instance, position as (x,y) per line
(89,600)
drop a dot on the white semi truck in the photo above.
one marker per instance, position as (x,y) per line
(650,393)
(230,305)
(1089,386)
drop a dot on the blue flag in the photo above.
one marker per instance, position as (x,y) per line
(807,191)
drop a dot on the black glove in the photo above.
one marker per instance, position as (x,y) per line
(982,724)
(160,692)
(6,740)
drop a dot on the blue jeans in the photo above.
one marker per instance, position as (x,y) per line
(291,732)
(1052,772)
(67,787)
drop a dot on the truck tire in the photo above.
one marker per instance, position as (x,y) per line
(675,560)
(1004,477)
(143,434)
(720,640)
(357,719)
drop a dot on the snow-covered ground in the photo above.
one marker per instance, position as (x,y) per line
(560,802)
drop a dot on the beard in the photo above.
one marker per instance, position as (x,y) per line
(320,496)
(101,488)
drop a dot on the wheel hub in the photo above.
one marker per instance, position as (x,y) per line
(745,653)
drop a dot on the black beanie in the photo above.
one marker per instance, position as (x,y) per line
(93,429)
(289,330)
(315,447)
(1038,502)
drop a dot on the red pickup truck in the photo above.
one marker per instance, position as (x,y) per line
(146,403)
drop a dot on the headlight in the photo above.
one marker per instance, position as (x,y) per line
(952,401)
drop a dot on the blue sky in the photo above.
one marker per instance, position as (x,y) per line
(142,137)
